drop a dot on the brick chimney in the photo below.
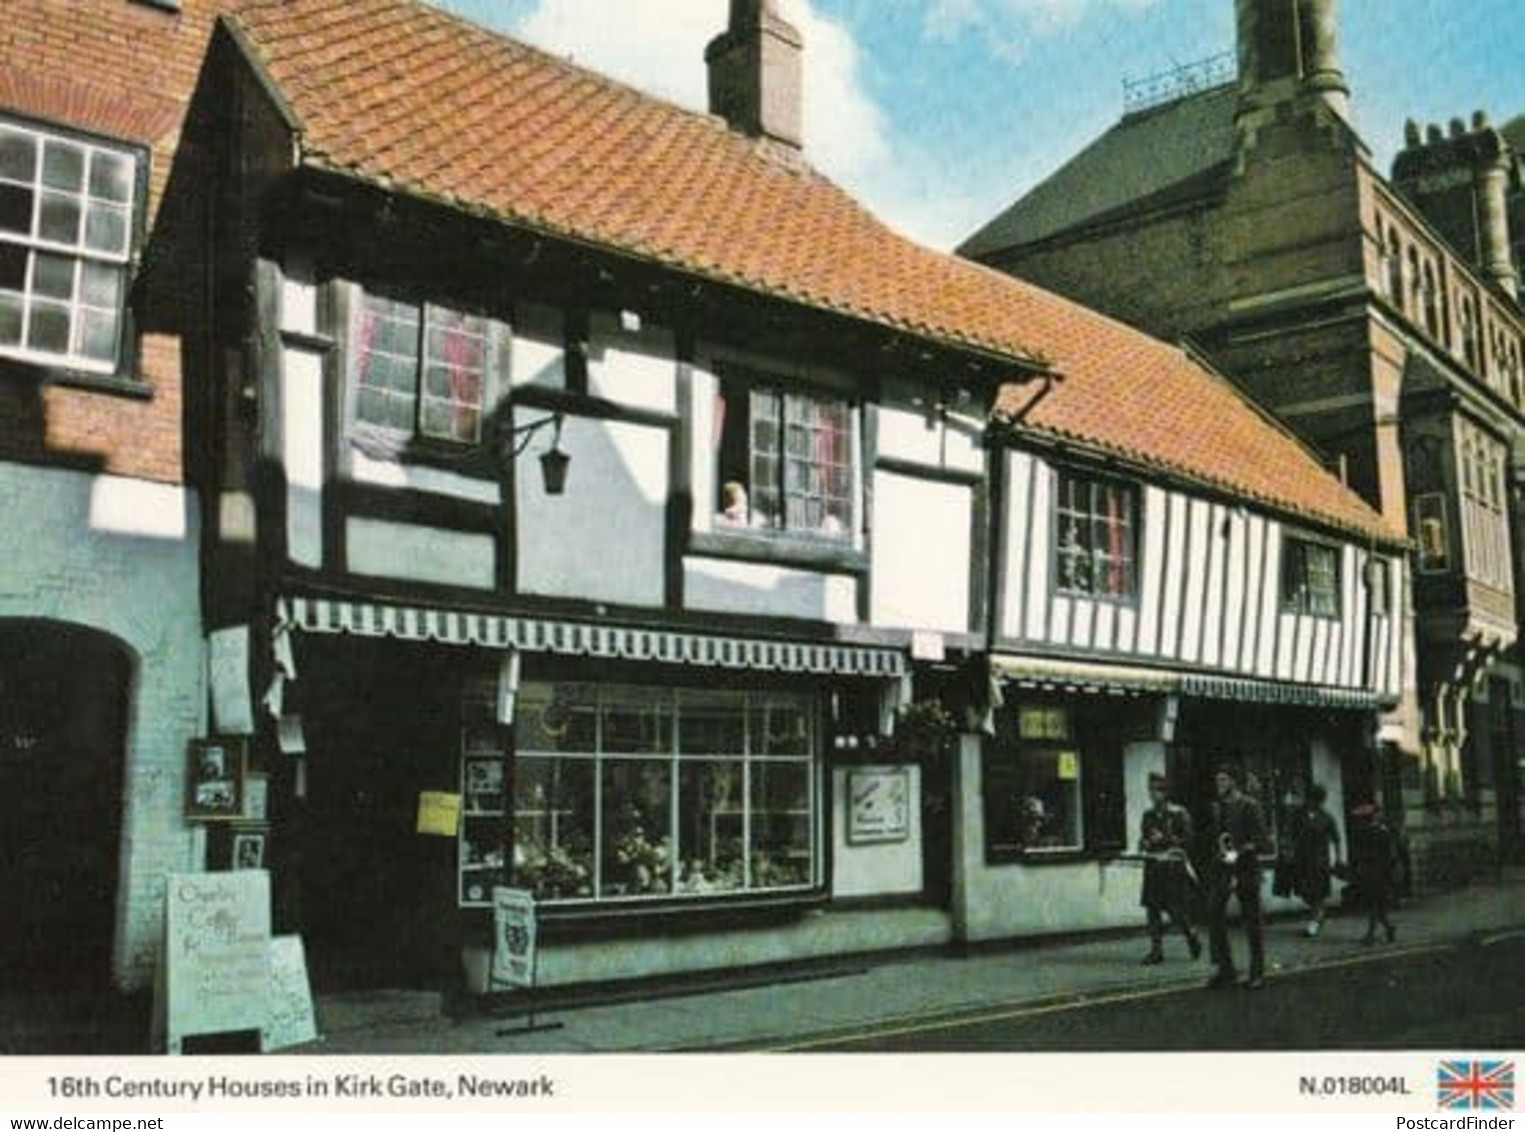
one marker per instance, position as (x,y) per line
(1460,182)
(1289,48)
(756,74)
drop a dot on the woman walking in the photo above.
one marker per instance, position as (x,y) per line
(1316,848)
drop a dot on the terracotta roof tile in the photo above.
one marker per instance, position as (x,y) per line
(399,93)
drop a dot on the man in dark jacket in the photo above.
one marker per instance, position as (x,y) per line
(1165,837)
(1238,838)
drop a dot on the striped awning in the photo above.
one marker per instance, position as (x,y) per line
(572,638)
(1065,675)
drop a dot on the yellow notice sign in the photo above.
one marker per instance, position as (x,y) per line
(439,814)
(1069,766)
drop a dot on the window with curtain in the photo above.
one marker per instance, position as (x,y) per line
(1097,537)
(630,793)
(67,210)
(421,371)
(787,461)
(1310,578)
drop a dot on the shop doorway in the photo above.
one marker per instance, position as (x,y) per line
(63,726)
(376,899)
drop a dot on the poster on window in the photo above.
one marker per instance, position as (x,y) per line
(879,805)
(514,931)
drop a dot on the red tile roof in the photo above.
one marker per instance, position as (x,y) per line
(402,95)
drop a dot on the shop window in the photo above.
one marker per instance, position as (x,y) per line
(420,372)
(1434,533)
(1096,546)
(625,794)
(788,461)
(68,210)
(1310,578)
(1033,785)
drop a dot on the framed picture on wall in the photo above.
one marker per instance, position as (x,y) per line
(248,850)
(256,805)
(879,805)
(214,779)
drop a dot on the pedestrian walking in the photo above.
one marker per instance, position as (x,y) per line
(1374,864)
(1239,838)
(1315,852)
(1165,838)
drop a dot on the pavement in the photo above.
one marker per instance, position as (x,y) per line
(805,1008)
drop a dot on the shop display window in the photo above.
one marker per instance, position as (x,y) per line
(628,794)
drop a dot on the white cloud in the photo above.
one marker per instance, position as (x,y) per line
(1010,26)
(658,46)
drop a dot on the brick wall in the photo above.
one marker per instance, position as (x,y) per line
(126,70)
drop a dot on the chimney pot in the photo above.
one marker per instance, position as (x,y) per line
(1480,119)
(1411,135)
(1433,134)
(1458,128)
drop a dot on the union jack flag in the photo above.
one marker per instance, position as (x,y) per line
(1475,1085)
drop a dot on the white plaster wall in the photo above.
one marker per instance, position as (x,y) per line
(632,367)
(921,553)
(950,442)
(835,932)
(302,425)
(121,556)
(1007,901)
(537,352)
(883,869)
(422,477)
(723,586)
(604,539)
(380,549)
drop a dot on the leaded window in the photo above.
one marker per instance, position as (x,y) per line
(66,227)
(1097,543)
(421,371)
(1311,578)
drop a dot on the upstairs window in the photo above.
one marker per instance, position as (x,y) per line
(1434,533)
(66,225)
(1310,578)
(787,461)
(1096,548)
(420,372)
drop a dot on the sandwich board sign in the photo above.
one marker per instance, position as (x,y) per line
(513,953)
(290,1019)
(214,967)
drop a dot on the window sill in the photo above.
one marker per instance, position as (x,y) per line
(472,460)
(571,920)
(779,549)
(118,384)
(1041,857)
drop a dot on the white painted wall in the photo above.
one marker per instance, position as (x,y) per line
(921,553)
(381,549)
(1209,593)
(537,351)
(933,440)
(604,539)
(723,586)
(422,477)
(121,556)
(302,429)
(632,367)
(884,869)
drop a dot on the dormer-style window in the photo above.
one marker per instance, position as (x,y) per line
(67,212)
(788,460)
(1096,551)
(1310,578)
(420,372)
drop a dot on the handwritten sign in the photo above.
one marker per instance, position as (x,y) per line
(439,814)
(879,805)
(291,1020)
(216,961)
(228,665)
(514,942)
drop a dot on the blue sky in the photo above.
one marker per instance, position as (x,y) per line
(938,113)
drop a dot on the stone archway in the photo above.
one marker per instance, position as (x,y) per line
(64,694)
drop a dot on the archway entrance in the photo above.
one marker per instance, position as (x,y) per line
(63,721)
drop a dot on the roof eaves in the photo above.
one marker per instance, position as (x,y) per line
(251,53)
(1029,363)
